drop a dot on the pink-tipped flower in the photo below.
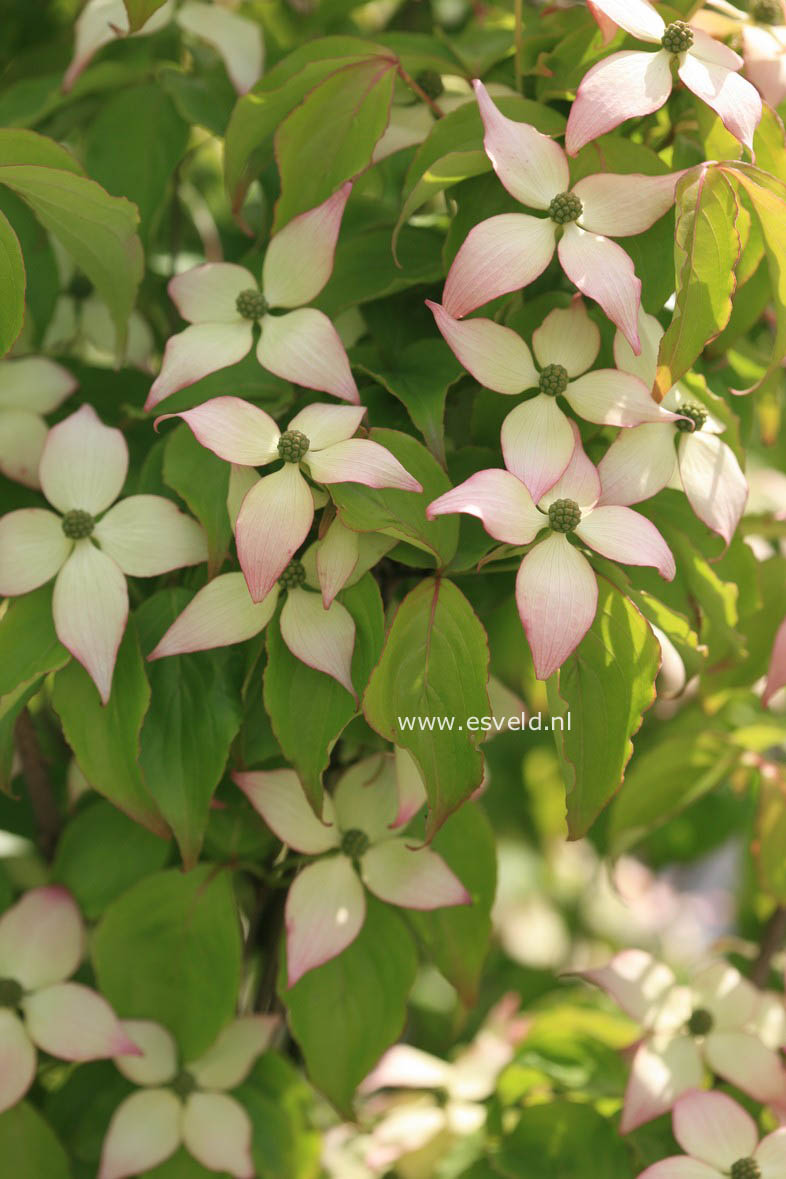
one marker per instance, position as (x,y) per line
(185,1105)
(762,33)
(326,905)
(642,461)
(776,673)
(556,590)
(277,512)
(29,388)
(237,41)
(222,302)
(537,437)
(720,1140)
(632,83)
(88,548)
(719,1021)
(509,251)
(42,941)
(223,613)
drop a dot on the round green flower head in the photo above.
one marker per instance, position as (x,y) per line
(701,1022)
(553,380)
(292,445)
(354,843)
(293,576)
(745,1169)
(564,515)
(565,207)
(183,1084)
(251,304)
(767,12)
(10,992)
(77,524)
(696,415)
(678,37)
(430,83)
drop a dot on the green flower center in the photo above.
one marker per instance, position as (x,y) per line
(553,380)
(183,1084)
(565,207)
(430,83)
(251,304)
(767,12)
(701,1022)
(11,992)
(354,843)
(292,445)
(695,417)
(745,1169)
(293,576)
(564,515)
(77,524)
(677,38)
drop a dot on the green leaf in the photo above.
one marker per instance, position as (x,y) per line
(28,1147)
(140,11)
(122,155)
(434,664)
(28,147)
(202,481)
(706,252)
(95,878)
(29,647)
(292,690)
(331,136)
(193,719)
(421,380)
(555,1141)
(402,514)
(604,689)
(364,267)
(258,113)
(97,230)
(12,284)
(770,847)
(457,938)
(169,949)
(664,781)
(105,740)
(346,1013)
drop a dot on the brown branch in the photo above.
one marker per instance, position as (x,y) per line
(772,938)
(436,110)
(39,786)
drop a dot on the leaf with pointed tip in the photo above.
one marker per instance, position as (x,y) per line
(12,284)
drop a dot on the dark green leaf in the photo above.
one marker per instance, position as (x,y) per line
(28,1147)
(555,1141)
(29,647)
(202,481)
(12,284)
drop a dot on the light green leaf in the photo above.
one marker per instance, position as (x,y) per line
(29,1148)
(555,1140)
(604,689)
(434,664)
(140,11)
(29,647)
(169,949)
(12,285)
(706,252)
(28,147)
(346,1013)
(770,846)
(105,740)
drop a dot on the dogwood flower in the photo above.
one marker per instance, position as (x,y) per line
(721,1141)
(42,942)
(277,512)
(188,1105)
(223,612)
(762,33)
(29,388)
(326,904)
(509,251)
(776,673)
(537,437)
(222,303)
(633,83)
(720,1021)
(238,41)
(642,461)
(88,548)
(556,590)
